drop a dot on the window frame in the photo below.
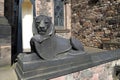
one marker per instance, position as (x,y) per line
(64,29)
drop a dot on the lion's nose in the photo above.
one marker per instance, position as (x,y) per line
(42,28)
(42,24)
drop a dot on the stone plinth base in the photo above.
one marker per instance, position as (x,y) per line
(31,67)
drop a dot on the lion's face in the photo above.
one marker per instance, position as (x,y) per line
(42,24)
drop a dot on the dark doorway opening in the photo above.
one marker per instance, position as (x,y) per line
(11,13)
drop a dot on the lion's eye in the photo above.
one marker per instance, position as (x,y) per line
(46,22)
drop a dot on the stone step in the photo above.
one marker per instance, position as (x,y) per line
(5,31)
(5,28)
(3,21)
(5,42)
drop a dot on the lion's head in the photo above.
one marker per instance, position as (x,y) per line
(42,25)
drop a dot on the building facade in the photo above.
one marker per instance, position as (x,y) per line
(59,11)
(87,24)
(1,7)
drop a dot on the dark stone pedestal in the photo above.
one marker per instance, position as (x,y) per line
(31,67)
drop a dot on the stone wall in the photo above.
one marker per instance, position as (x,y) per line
(44,7)
(9,13)
(96,21)
(1,7)
(101,72)
(5,37)
(5,42)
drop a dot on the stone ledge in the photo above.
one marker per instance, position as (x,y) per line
(4,21)
(5,55)
(43,70)
(5,31)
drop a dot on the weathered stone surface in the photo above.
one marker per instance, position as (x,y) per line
(1,7)
(101,18)
(5,42)
(62,66)
(86,73)
(43,7)
(44,68)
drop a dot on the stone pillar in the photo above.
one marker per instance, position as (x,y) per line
(1,7)
(5,38)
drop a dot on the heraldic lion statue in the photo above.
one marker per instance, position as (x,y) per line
(46,44)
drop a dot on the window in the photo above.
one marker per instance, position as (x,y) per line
(59,14)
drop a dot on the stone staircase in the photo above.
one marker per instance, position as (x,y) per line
(5,41)
(5,28)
